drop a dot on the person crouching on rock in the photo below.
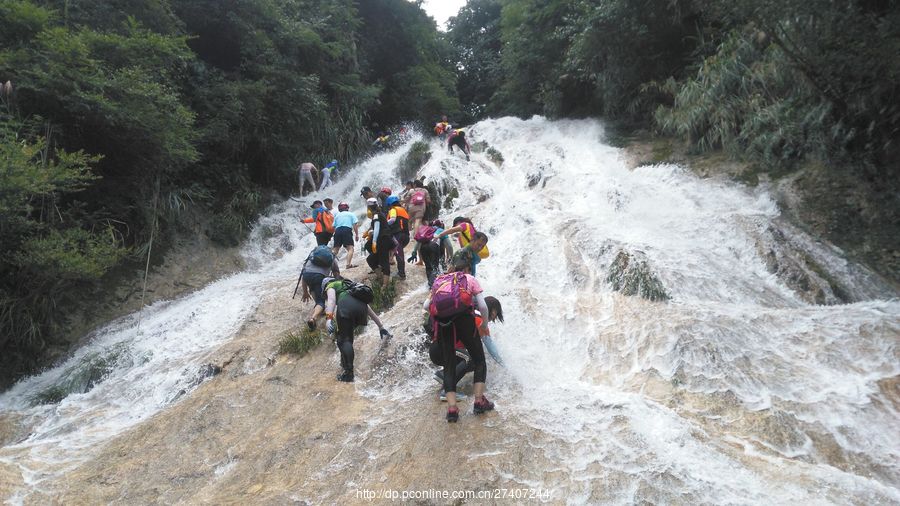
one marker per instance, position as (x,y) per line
(319,264)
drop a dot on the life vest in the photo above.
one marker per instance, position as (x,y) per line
(465,237)
(402,217)
(441,127)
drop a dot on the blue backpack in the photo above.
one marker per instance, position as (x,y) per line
(322,256)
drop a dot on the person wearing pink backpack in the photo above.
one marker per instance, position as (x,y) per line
(419,198)
(454,297)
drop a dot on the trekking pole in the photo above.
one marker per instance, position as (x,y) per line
(298,285)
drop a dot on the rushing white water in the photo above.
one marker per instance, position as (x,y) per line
(734,390)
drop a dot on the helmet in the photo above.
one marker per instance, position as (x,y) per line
(385,190)
(343,206)
(372,202)
(334,162)
(393,199)
(437,223)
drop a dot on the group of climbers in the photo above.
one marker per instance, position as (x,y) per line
(459,313)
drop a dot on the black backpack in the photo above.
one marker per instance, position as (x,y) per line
(361,292)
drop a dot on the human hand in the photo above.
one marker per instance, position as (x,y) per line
(385,334)
(412,258)
(304,297)
(374,248)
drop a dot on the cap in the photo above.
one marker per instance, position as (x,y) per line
(365,190)
(372,202)
(343,206)
(316,203)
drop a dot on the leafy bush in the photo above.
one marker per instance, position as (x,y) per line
(299,342)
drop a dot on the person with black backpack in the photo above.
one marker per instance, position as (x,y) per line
(347,307)
(319,264)
(380,241)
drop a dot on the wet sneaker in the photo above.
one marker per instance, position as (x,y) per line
(483,405)
(346,377)
(452,415)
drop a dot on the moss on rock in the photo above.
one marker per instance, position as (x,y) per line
(633,276)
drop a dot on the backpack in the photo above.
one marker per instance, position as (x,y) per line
(418,198)
(450,295)
(361,292)
(326,219)
(322,256)
(425,234)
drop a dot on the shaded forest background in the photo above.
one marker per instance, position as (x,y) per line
(122,117)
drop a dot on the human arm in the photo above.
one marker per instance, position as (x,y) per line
(415,253)
(304,293)
(491,348)
(335,268)
(356,230)
(381,330)
(330,304)
(451,230)
(482,308)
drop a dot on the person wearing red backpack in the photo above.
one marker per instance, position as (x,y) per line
(434,252)
(419,198)
(454,297)
(323,219)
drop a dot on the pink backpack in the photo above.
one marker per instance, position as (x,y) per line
(425,234)
(450,295)
(418,198)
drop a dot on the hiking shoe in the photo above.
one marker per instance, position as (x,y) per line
(483,405)
(452,414)
(346,377)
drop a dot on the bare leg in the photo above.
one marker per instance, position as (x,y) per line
(349,256)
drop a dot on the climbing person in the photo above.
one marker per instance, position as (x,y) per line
(463,360)
(458,139)
(346,228)
(406,194)
(305,174)
(398,220)
(453,298)
(379,243)
(442,127)
(318,264)
(347,307)
(433,251)
(418,203)
(466,230)
(327,174)
(382,195)
(324,220)
(381,142)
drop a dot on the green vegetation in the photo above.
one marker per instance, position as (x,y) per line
(125,118)
(418,155)
(385,295)
(299,342)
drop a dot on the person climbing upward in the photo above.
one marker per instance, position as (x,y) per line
(466,230)
(433,250)
(344,312)
(346,227)
(418,201)
(380,242)
(381,142)
(322,217)
(382,195)
(458,139)
(463,360)
(305,174)
(451,302)
(442,127)
(318,264)
(398,220)
(328,173)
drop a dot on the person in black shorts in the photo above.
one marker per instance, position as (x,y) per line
(346,227)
